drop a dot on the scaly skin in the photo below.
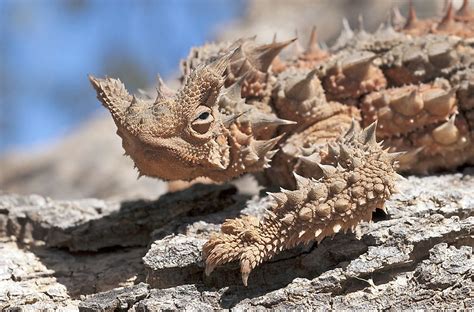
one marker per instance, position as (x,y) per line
(335,198)
(241,105)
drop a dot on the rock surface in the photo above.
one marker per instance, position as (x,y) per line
(92,224)
(419,255)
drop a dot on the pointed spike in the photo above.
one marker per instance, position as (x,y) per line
(301,181)
(267,53)
(447,133)
(270,214)
(327,170)
(397,20)
(448,17)
(409,104)
(346,28)
(313,41)
(304,89)
(261,119)
(159,81)
(356,61)
(227,120)
(270,154)
(440,103)
(446,5)
(244,68)
(263,146)
(345,35)
(394,156)
(134,101)
(295,198)
(283,122)
(288,219)
(351,131)
(161,89)
(345,152)
(280,198)
(221,64)
(368,136)
(464,10)
(412,19)
(204,83)
(250,158)
(234,91)
(94,81)
(333,151)
(312,159)
(387,26)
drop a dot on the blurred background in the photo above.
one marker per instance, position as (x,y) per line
(55,138)
(49,47)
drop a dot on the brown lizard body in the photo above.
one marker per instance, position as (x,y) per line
(244,109)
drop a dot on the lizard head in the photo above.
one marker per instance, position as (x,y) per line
(204,129)
(178,135)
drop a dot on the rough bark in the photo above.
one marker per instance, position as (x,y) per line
(92,224)
(417,256)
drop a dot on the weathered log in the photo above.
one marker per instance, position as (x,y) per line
(419,255)
(92,224)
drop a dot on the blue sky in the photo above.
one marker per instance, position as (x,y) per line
(47,49)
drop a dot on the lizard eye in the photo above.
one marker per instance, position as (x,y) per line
(204,116)
(203,121)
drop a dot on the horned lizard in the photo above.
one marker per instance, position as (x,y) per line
(243,108)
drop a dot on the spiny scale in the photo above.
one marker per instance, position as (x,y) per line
(347,194)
